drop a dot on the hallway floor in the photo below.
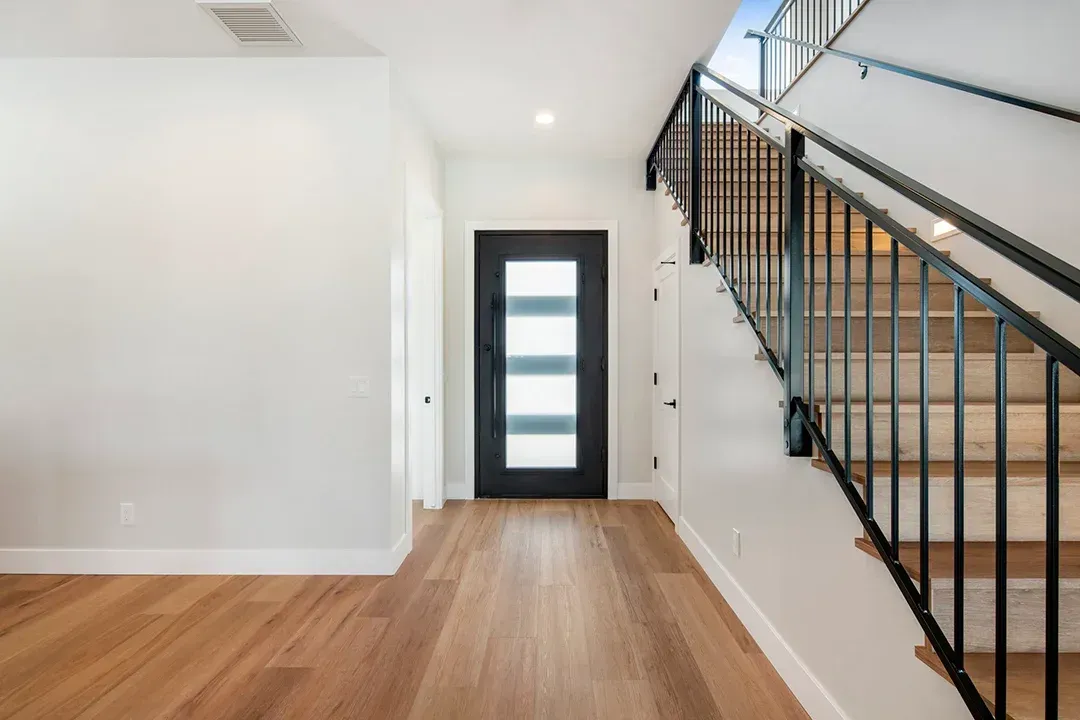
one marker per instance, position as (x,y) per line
(504,610)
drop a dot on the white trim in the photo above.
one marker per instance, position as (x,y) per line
(80,561)
(663,490)
(636,491)
(815,699)
(468,291)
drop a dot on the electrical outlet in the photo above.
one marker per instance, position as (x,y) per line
(736,542)
(127,513)
(359,386)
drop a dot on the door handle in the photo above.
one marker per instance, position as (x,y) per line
(494,366)
(670,404)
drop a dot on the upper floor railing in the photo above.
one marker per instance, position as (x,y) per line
(808,21)
(782,234)
(769,68)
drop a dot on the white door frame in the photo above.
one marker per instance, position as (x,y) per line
(468,328)
(425,227)
(668,261)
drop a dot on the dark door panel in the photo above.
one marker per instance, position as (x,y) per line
(541,380)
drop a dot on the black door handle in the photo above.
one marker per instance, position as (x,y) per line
(670,404)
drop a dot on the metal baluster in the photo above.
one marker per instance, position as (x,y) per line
(757,233)
(768,250)
(828,316)
(743,280)
(707,139)
(924,437)
(781,164)
(1002,528)
(958,473)
(847,342)
(869,370)
(731,204)
(723,188)
(1053,532)
(894,391)
(810,314)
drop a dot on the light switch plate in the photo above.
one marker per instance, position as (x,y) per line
(127,513)
(736,542)
(359,386)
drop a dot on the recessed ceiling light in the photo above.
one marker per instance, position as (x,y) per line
(544,117)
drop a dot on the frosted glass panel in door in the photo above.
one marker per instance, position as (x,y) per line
(541,363)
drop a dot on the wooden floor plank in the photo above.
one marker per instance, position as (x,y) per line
(539,610)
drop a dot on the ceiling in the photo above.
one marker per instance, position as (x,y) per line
(156,28)
(477,71)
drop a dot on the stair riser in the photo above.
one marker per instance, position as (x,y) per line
(1027,510)
(978,335)
(1026,380)
(907,266)
(747,232)
(1026,435)
(941,297)
(750,220)
(719,187)
(1026,614)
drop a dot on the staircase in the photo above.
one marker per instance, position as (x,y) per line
(950,417)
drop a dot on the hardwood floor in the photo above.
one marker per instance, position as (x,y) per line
(504,609)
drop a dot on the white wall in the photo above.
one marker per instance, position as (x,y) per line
(1007,164)
(828,616)
(194,261)
(511,189)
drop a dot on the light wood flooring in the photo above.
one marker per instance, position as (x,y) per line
(503,610)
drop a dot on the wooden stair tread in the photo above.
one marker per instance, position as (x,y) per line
(940,406)
(903,314)
(1026,560)
(975,471)
(1041,359)
(1026,681)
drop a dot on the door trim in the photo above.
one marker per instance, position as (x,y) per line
(669,260)
(467,490)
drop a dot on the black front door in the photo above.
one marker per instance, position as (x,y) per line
(541,367)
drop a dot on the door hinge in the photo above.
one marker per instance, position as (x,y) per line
(653,462)
(603,364)
(654,379)
(655,294)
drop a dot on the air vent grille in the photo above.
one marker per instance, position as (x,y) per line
(252,23)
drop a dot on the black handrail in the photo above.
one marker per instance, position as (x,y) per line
(1026,103)
(1047,267)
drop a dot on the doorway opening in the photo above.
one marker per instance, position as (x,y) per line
(541,364)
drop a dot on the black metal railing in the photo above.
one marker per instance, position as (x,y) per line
(785,237)
(809,21)
(769,41)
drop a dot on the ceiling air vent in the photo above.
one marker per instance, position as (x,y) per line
(251,23)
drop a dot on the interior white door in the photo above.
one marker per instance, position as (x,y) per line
(666,386)
(424,359)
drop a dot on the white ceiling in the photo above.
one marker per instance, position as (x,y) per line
(155,28)
(476,70)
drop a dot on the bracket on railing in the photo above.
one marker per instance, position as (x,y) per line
(865,69)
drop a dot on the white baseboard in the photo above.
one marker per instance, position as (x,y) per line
(815,699)
(626,491)
(634,491)
(68,561)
